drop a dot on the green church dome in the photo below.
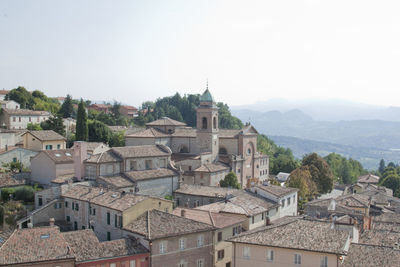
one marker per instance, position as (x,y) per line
(206,97)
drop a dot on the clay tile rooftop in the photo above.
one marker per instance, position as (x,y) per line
(107,198)
(47,135)
(276,190)
(35,245)
(371,256)
(302,234)
(165,121)
(208,191)
(156,224)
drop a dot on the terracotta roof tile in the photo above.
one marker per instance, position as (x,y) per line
(117,181)
(371,256)
(34,245)
(165,121)
(60,155)
(142,151)
(276,190)
(368,178)
(301,234)
(164,224)
(151,174)
(107,198)
(7,180)
(184,132)
(47,135)
(212,167)
(218,220)
(151,133)
(208,191)
(107,156)
(26,112)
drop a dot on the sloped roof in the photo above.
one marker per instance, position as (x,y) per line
(184,132)
(107,156)
(218,220)
(368,178)
(47,135)
(118,181)
(26,112)
(212,167)
(107,198)
(300,234)
(277,190)
(142,151)
(242,202)
(149,133)
(151,174)
(7,180)
(165,121)
(59,155)
(371,256)
(86,246)
(208,191)
(354,200)
(156,224)
(35,245)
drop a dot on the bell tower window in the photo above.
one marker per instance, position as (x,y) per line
(204,123)
(215,122)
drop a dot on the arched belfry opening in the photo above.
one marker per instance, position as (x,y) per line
(204,123)
(215,122)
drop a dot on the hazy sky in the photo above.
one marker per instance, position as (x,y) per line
(250,51)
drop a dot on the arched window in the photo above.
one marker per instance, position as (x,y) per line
(215,122)
(204,123)
(222,151)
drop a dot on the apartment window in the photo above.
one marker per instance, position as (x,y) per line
(200,263)
(324,261)
(252,219)
(200,240)
(270,255)
(288,201)
(163,247)
(236,230)
(177,201)
(108,218)
(262,216)
(182,244)
(40,200)
(120,221)
(93,211)
(83,227)
(75,226)
(162,163)
(219,236)
(246,252)
(148,164)
(73,205)
(55,206)
(221,254)
(132,263)
(76,206)
(294,199)
(108,236)
(30,119)
(133,165)
(116,220)
(19,119)
(14,159)
(283,203)
(66,204)
(276,209)
(49,147)
(58,146)
(297,259)
(68,219)
(14,119)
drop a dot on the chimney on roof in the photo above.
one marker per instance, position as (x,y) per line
(183,213)
(80,154)
(51,221)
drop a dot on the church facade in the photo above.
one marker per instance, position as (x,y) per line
(207,153)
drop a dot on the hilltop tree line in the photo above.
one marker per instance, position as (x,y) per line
(183,109)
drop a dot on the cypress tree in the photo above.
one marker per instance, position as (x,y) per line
(81,123)
(66,108)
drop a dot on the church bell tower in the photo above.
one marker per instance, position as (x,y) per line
(207,125)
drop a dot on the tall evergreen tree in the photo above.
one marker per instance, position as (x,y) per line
(382,166)
(54,123)
(81,123)
(67,108)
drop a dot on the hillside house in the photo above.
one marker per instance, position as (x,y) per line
(43,140)
(19,118)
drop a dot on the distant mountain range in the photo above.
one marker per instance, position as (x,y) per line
(328,110)
(367,139)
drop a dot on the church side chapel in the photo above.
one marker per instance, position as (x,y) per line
(206,154)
